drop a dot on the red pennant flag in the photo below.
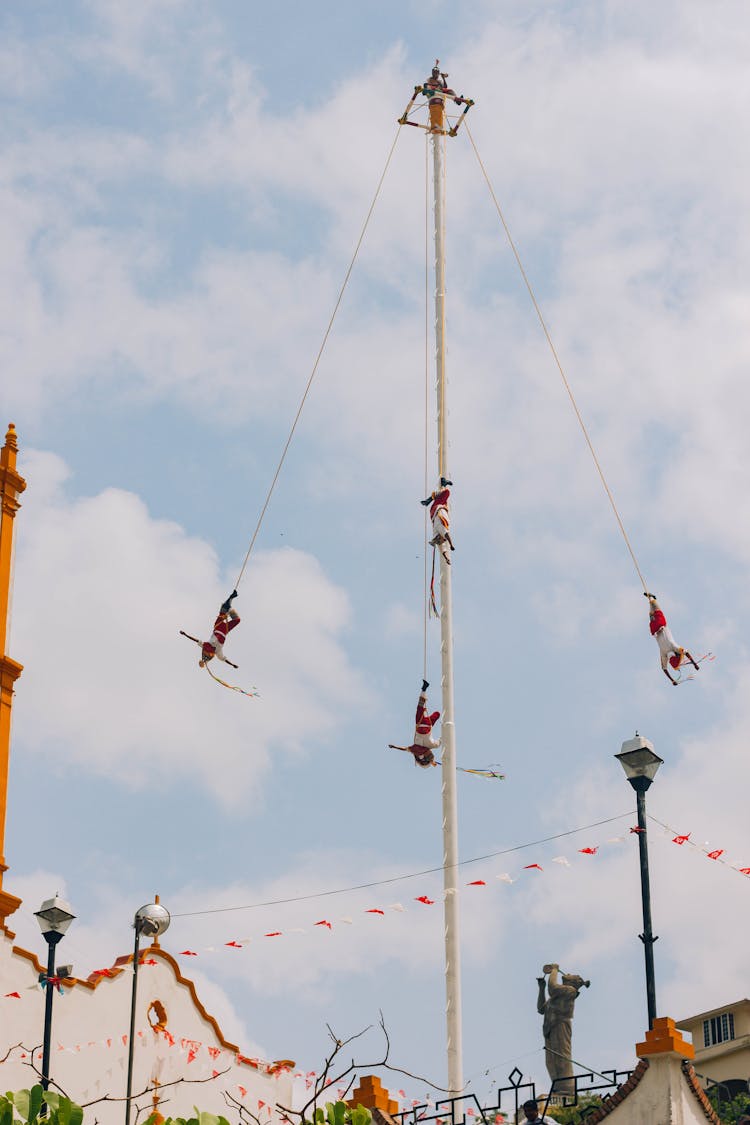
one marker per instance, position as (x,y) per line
(427,901)
(188,953)
(533,866)
(13,995)
(588,851)
(243,1091)
(124,1040)
(169,1037)
(374,910)
(636,829)
(260,1104)
(192,1054)
(104,972)
(150,961)
(214,1052)
(681,839)
(477,883)
(745,871)
(323,922)
(275,933)
(215,1073)
(109,1042)
(715,854)
(233,944)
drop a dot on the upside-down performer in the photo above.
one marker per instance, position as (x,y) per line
(671,654)
(226,620)
(440,517)
(423,743)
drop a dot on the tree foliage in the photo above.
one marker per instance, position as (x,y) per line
(729,1110)
(574,1114)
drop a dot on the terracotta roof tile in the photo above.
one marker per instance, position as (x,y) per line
(700,1093)
(611,1101)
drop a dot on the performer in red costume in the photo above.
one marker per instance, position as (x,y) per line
(423,744)
(227,620)
(441,523)
(670,652)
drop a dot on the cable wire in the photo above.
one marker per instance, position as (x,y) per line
(401,878)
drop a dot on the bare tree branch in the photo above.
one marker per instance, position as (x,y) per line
(10,1051)
(234,1103)
(324,1082)
(37,1070)
(161,1086)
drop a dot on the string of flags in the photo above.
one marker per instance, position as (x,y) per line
(216,1059)
(377,912)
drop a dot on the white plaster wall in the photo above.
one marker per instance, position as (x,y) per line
(87,1066)
(662,1097)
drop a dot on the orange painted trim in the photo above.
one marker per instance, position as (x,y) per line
(157,951)
(664,1038)
(40,968)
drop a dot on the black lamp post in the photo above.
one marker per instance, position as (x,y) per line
(151,921)
(640,763)
(54,917)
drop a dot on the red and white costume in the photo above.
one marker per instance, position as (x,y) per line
(439,515)
(670,652)
(423,743)
(223,625)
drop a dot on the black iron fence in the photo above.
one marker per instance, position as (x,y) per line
(510,1099)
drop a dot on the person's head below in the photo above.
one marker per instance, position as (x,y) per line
(677,658)
(425,759)
(207,653)
(531,1109)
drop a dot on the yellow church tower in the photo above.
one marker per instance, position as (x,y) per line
(11,487)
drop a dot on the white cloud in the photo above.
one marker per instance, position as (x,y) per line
(102,590)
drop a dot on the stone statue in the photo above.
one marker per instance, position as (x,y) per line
(557,1009)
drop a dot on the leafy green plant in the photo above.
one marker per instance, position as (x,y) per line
(23,1108)
(199,1119)
(339,1113)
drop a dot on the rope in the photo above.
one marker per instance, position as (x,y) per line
(426,607)
(443,188)
(556,357)
(401,878)
(317,361)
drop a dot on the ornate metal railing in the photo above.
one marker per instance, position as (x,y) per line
(565,1092)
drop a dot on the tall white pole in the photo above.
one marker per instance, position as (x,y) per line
(448,730)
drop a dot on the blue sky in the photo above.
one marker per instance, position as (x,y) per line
(183,187)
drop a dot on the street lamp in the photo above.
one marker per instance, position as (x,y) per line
(151,920)
(54,917)
(640,763)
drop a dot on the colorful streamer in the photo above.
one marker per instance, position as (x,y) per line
(491,771)
(252,694)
